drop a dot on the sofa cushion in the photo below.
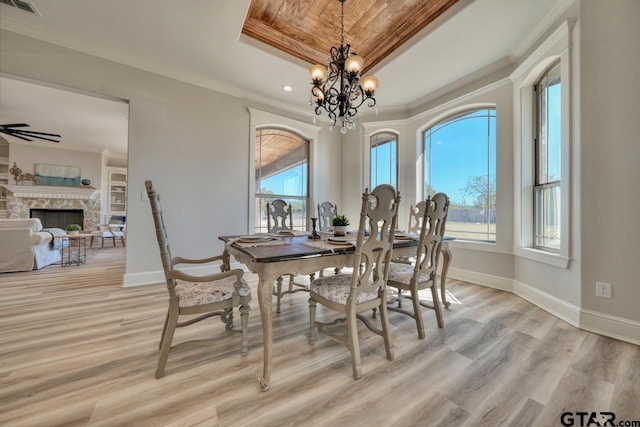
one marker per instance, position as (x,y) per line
(33,223)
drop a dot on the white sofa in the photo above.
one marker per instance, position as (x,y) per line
(24,247)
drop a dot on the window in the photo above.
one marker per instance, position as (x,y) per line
(460,160)
(548,144)
(281,172)
(384,159)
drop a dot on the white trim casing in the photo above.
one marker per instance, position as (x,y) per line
(592,321)
(556,46)
(261,119)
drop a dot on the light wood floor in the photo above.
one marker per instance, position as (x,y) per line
(77,349)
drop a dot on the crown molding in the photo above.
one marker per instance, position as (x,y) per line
(543,25)
(28,30)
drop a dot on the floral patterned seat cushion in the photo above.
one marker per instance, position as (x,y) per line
(403,273)
(336,289)
(198,293)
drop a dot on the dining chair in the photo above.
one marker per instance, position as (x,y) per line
(210,295)
(326,212)
(416,215)
(279,216)
(422,274)
(365,287)
(279,219)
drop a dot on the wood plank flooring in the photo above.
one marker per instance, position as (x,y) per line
(76,349)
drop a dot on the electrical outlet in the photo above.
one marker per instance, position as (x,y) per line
(603,290)
(144,196)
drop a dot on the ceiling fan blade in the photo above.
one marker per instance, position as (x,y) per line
(15,125)
(33,133)
(9,129)
(18,136)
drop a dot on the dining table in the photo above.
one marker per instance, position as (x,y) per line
(272,256)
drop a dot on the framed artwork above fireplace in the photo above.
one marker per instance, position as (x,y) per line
(59,176)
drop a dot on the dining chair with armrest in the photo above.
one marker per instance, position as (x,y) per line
(210,295)
(422,273)
(365,287)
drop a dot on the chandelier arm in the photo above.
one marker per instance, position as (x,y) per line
(340,94)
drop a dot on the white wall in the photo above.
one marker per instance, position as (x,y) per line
(610,147)
(192,142)
(26,156)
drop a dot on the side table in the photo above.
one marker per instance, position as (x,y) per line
(76,250)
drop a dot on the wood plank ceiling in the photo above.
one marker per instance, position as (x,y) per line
(308,29)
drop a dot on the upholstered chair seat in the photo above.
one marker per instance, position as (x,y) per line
(420,273)
(403,273)
(364,289)
(337,288)
(215,294)
(191,294)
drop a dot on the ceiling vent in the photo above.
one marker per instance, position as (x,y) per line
(22,5)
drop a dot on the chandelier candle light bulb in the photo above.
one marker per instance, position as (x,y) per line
(338,88)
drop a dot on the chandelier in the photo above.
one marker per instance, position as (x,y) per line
(342,91)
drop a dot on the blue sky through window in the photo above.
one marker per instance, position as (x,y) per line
(289,182)
(459,148)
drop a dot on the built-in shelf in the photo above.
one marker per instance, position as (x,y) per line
(51,192)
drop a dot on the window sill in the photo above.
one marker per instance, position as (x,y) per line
(556,260)
(479,246)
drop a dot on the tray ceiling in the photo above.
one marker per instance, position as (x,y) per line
(308,29)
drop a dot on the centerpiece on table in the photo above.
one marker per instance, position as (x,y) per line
(340,224)
(73,229)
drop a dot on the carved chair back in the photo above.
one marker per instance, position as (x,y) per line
(416,214)
(279,216)
(326,212)
(372,256)
(431,235)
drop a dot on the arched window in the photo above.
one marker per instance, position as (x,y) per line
(384,159)
(460,160)
(281,172)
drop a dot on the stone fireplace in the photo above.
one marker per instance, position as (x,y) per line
(57,218)
(21,199)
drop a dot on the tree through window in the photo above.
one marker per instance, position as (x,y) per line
(460,160)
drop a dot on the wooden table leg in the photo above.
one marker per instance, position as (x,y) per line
(446,261)
(265,291)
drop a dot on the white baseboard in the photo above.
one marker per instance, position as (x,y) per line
(488,280)
(611,326)
(152,277)
(592,321)
(566,311)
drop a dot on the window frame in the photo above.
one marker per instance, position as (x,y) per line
(374,143)
(261,119)
(556,47)
(288,197)
(454,116)
(542,84)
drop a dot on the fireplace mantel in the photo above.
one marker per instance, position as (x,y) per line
(48,192)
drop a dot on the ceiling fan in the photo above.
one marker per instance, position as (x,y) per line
(12,129)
